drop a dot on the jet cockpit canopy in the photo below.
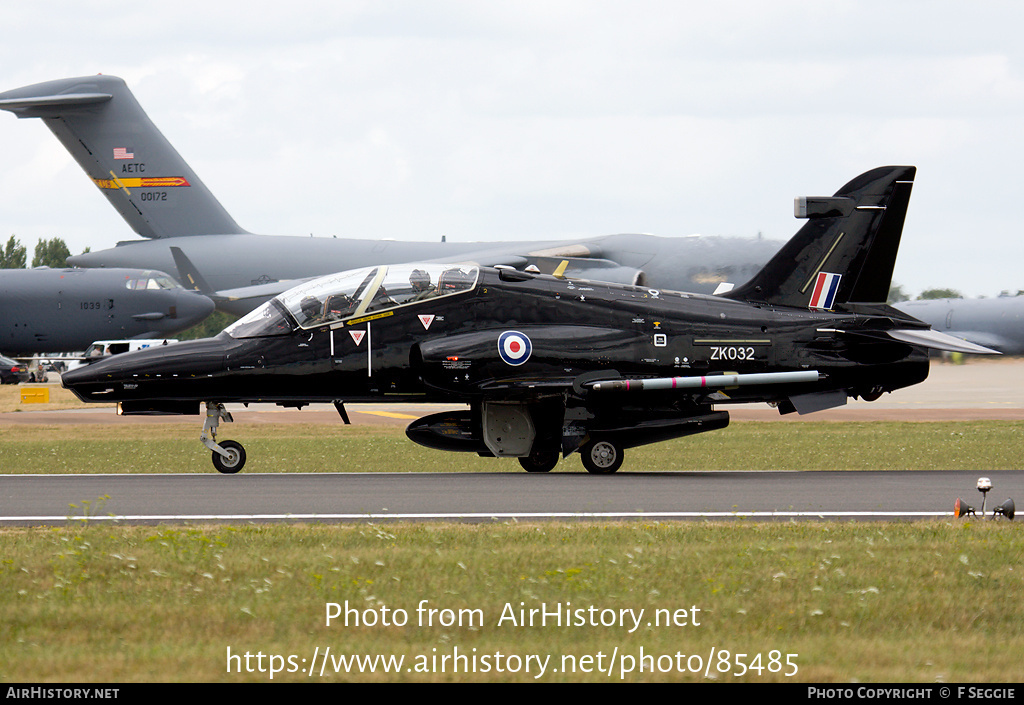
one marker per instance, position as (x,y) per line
(337,297)
(151,280)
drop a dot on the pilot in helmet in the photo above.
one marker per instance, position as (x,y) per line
(311,308)
(453,280)
(419,281)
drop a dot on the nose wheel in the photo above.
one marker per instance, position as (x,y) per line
(228,456)
(232,460)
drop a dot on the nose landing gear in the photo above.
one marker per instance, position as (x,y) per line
(228,456)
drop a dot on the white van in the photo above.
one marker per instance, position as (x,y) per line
(105,348)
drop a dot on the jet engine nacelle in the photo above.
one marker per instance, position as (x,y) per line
(500,429)
(449,430)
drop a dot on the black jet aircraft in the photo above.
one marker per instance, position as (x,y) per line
(550,365)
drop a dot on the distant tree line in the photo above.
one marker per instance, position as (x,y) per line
(208,327)
(898,294)
(49,253)
(13,255)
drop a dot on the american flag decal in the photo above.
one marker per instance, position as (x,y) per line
(123,153)
(825,290)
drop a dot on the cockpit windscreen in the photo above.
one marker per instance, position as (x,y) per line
(349,294)
(344,295)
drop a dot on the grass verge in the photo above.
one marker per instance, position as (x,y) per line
(171,448)
(60,398)
(900,602)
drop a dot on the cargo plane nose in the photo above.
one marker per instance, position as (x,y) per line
(192,308)
(153,305)
(175,311)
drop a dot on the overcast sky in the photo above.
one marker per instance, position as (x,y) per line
(483,120)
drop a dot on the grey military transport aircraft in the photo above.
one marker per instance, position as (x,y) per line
(995,323)
(105,129)
(550,365)
(64,310)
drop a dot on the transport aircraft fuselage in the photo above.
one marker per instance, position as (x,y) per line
(64,310)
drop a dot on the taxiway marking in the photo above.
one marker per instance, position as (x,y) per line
(389,414)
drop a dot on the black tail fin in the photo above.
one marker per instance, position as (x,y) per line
(847,250)
(99,121)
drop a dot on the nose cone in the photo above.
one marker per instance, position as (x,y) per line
(176,310)
(193,307)
(184,370)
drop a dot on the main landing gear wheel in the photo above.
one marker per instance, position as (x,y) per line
(872,394)
(540,462)
(234,461)
(601,457)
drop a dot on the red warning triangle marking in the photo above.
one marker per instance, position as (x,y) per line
(426,321)
(357,336)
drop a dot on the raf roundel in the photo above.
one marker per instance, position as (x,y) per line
(514,347)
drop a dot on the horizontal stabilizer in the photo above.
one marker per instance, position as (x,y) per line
(940,341)
(988,339)
(36,106)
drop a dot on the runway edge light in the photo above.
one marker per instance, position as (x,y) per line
(1006,509)
(962,509)
(984,485)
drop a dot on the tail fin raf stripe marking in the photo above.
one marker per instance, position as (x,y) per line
(825,291)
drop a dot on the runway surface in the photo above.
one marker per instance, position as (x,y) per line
(498,496)
(992,390)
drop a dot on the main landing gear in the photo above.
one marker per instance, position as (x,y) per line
(540,461)
(228,456)
(600,457)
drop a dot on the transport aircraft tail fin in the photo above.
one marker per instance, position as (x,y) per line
(846,251)
(102,125)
